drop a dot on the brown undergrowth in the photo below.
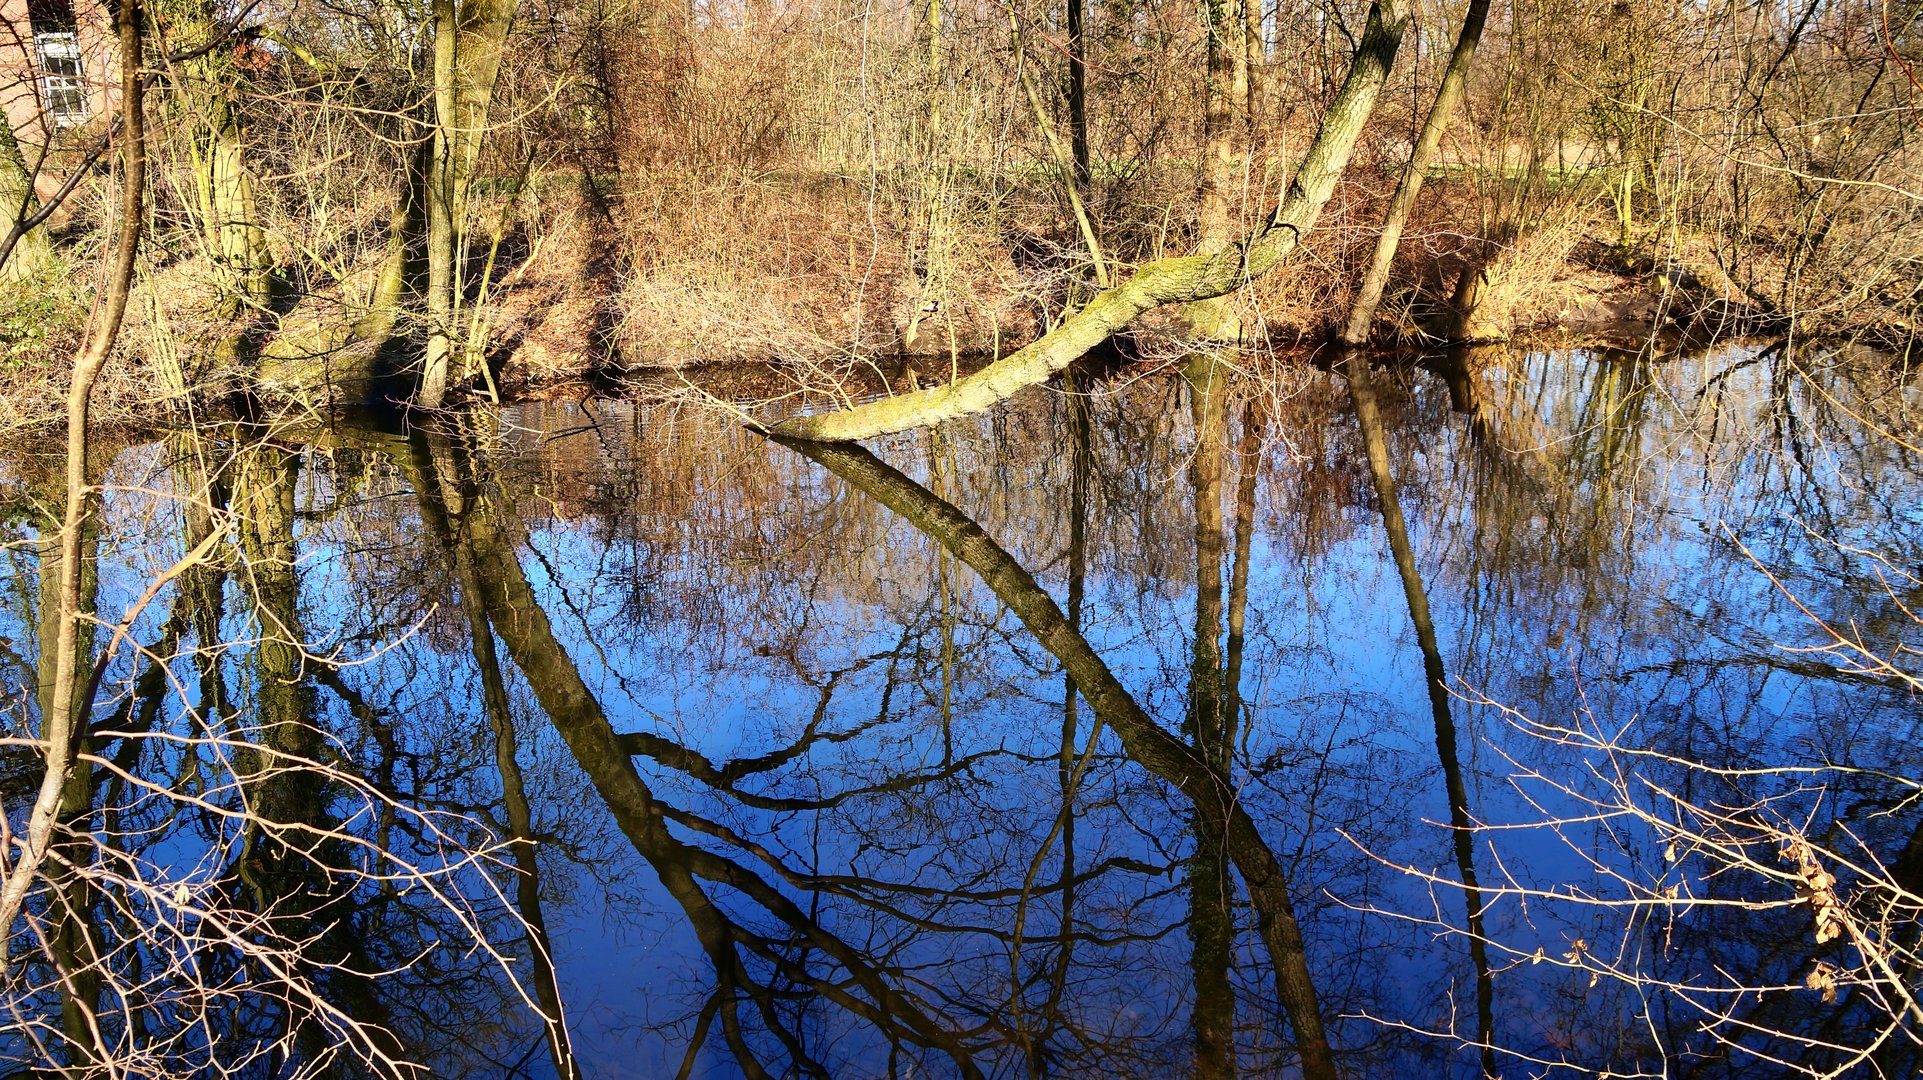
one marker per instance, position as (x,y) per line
(828,274)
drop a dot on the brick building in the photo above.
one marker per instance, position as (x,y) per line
(57,66)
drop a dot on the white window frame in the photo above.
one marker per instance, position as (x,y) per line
(63,97)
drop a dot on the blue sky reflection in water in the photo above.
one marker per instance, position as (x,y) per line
(755,690)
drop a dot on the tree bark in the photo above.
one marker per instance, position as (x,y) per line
(1165,281)
(1455,80)
(1214,318)
(224,189)
(1261,83)
(467,61)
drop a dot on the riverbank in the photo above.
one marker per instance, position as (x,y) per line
(799,276)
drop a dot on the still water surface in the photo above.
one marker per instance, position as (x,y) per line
(886,762)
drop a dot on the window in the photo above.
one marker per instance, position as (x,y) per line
(63,84)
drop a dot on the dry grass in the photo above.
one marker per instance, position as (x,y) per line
(737,267)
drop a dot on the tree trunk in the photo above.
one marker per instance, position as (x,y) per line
(1214,318)
(1455,80)
(467,61)
(445,205)
(317,355)
(1261,82)
(1165,281)
(1077,91)
(229,218)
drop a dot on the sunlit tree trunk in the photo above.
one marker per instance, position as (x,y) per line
(933,223)
(1078,209)
(446,190)
(223,186)
(467,60)
(1455,81)
(227,206)
(66,708)
(1224,97)
(1260,81)
(400,263)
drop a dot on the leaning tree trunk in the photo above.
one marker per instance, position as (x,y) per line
(32,251)
(1454,80)
(1166,281)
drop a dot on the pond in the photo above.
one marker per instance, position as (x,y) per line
(1462,721)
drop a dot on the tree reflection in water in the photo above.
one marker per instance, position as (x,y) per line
(785,760)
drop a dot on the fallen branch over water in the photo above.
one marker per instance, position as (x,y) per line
(1179,280)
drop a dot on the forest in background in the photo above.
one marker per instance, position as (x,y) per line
(476,194)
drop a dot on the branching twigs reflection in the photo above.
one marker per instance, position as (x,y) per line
(216,860)
(448,502)
(1436,681)
(1146,742)
(1736,862)
(1739,907)
(743,958)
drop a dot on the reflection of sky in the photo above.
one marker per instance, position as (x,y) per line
(1585,566)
